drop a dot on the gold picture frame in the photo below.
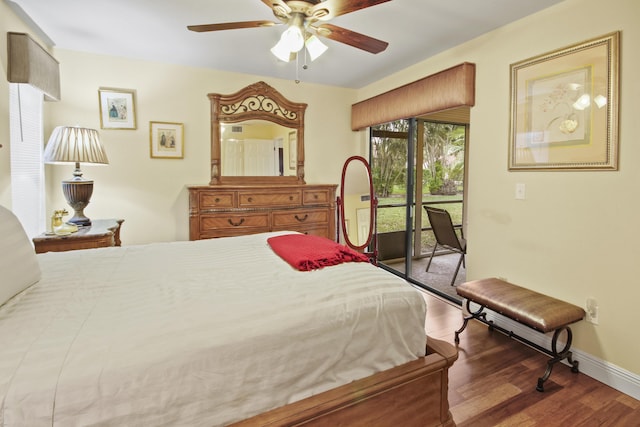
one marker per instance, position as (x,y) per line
(167,140)
(564,108)
(117,108)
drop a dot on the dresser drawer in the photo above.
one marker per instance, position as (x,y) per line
(300,217)
(235,210)
(211,200)
(316,196)
(269,199)
(234,220)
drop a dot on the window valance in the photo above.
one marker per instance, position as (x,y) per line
(28,62)
(450,88)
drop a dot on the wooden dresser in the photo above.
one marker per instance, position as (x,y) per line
(233,210)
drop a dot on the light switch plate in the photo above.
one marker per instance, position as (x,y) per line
(520,191)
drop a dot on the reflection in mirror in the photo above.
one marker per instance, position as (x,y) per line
(257,148)
(357,205)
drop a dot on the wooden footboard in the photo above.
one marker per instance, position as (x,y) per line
(413,394)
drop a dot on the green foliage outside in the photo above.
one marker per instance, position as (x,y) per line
(442,176)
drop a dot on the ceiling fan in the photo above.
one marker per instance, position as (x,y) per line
(305,20)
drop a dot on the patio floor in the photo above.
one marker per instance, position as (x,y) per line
(438,278)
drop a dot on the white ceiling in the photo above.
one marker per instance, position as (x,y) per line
(156,30)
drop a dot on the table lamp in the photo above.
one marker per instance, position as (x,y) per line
(69,144)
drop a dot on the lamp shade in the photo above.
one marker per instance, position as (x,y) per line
(69,144)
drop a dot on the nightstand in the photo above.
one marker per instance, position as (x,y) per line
(101,233)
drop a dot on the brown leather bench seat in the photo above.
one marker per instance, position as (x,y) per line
(538,311)
(535,310)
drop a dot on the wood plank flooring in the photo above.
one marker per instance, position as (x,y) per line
(493,381)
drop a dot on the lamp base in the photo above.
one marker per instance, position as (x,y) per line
(78,193)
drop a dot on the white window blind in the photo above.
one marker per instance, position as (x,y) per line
(27,168)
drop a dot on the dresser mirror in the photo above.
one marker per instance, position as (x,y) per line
(357,207)
(257,148)
(257,137)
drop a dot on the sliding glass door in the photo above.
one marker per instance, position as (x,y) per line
(417,163)
(392,165)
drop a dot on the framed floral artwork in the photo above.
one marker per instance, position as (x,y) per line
(167,141)
(564,108)
(117,108)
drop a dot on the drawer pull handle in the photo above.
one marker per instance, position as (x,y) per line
(250,199)
(217,199)
(315,196)
(304,218)
(290,198)
(236,224)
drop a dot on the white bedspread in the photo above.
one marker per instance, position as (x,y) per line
(194,333)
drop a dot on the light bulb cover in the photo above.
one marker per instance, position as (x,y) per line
(281,51)
(293,38)
(315,47)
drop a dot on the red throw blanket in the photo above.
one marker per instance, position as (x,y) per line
(306,253)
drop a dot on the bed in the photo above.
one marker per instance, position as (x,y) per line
(210,332)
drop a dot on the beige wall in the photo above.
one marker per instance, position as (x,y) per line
(575,234)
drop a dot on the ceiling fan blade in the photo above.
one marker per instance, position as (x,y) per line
(329,9)
(351,38)
(231,26)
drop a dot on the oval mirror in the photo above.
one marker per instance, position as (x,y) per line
(357,206)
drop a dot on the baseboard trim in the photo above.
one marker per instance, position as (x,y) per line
(607,373)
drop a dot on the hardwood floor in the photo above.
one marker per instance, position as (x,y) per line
(493,381)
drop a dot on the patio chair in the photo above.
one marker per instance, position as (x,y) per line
(446,236)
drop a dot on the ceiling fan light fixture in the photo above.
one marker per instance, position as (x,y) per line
(293,38)
(315,47)
(281,51)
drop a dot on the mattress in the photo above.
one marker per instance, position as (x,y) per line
(194,333)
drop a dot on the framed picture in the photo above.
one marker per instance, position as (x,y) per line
(167,140)
(117,108)
(293,150)
(564,108)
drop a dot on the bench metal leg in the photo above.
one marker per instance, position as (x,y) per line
(473,315)
(556,356)
(565,353)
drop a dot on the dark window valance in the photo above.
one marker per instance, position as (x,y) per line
(454,87)
(28,62)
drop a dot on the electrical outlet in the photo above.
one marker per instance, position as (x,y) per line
(592,311)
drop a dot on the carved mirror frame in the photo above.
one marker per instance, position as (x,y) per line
(258,101)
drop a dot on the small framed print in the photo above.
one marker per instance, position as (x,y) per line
(117,108)
(167,140)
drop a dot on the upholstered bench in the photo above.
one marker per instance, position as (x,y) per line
(535,310)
